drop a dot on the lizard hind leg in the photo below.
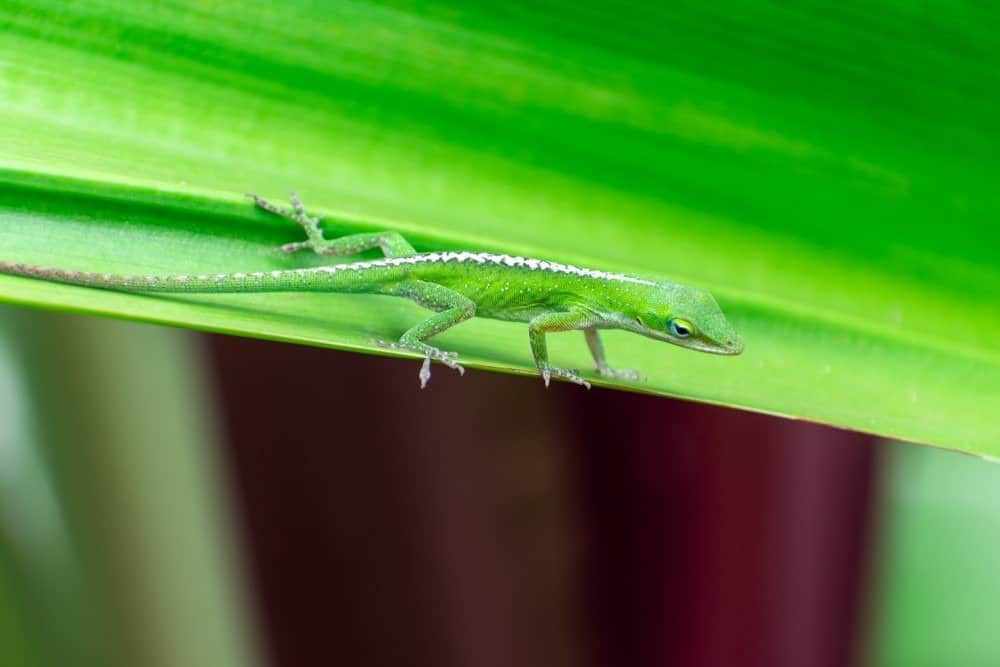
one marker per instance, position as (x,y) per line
(453,308)
(392,244)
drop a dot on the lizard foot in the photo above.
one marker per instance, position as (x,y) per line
(549,372)
(449,359)
(298,214)
(621,374)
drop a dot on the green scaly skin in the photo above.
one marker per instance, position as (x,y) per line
(550,297)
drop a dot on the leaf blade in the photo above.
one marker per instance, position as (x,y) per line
(812,209)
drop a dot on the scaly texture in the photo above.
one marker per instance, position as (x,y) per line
(549,296)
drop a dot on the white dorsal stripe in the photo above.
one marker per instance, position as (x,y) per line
(485,258)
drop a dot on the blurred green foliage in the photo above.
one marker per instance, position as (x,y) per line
(114,535)
(938,593)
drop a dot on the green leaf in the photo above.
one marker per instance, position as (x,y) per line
(829,174)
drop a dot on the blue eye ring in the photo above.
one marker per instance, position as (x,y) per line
(681,328)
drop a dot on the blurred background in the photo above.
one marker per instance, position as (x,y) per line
(828,170)
(261,503)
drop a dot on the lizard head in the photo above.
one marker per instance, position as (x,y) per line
(689,317)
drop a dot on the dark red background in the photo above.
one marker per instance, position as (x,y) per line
(487,521)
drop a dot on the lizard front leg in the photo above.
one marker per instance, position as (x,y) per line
(392,244)
(453,308)
(549,323)
(597,351)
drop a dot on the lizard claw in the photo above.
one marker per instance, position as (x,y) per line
(566,374)
(449,359)
(446,358)
(425,372)
(621,374)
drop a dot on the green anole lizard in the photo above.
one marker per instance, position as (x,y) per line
(550,297)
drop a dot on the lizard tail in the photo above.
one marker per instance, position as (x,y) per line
(258,281)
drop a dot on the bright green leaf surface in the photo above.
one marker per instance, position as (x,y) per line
(829,173)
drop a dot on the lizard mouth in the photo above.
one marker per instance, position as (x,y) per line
(733,346)
(728,347)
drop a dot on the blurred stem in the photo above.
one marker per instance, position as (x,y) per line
(51,615)
(16,647)
(936,602)
(123,421)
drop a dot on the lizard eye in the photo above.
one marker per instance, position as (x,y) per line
(681,328)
